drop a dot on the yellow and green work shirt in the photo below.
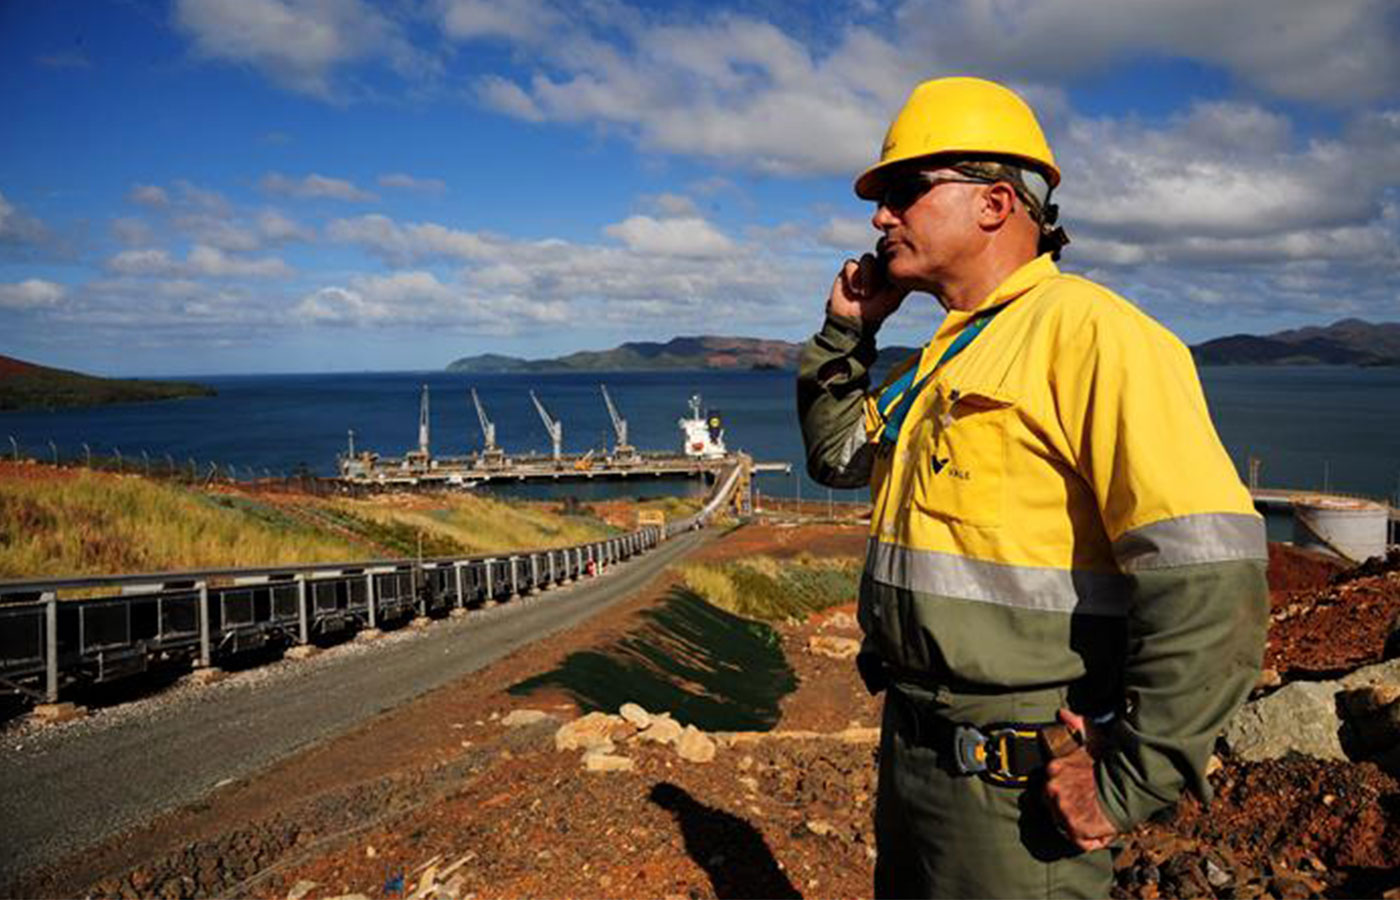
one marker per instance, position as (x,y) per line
(1056,511)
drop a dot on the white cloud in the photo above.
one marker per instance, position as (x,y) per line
(277,228)
(419,298)
(149,195)
(410,183)
(673,205)
(214,263)
(735,89)
(298,43)
(847,234)
(143,262)
(32,293)
(1223,183)
(314,186)
(1341,53)
(523,20)
(219,232)
(132,231)
(671,237)
(19,230)
(674,272)
(504,95)
(410,243)
(201,261)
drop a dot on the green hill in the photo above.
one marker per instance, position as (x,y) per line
(1349,342)
(24,385)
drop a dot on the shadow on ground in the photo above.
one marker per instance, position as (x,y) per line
(707,667)
(731,851)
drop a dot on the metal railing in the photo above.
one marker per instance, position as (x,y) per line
(134,621)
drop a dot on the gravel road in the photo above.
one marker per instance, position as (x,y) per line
(65,787)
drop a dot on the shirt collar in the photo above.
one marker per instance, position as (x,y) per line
(1016,284)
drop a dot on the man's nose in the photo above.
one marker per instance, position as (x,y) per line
(883,219)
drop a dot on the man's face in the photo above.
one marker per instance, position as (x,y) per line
(928,218)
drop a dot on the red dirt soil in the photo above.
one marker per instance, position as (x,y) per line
(441,778)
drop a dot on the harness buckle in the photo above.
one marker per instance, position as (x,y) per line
(969,750)
(989,754)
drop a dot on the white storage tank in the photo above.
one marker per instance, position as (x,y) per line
(1356,529)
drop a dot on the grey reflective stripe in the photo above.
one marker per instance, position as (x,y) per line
(857,454)
(1020,587)
(1192,540)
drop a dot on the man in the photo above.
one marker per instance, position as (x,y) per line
(1064,593)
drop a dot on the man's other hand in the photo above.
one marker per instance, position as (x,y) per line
(861,292)
(1071,793)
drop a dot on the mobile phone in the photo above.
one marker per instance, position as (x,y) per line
(880,271)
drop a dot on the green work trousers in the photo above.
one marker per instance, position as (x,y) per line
(940,834)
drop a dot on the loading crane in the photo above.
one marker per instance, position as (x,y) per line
(553,426)
(623,452)
(423,423)
(491,455)
(420,456)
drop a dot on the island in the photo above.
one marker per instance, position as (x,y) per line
(26,385)
(1347,342)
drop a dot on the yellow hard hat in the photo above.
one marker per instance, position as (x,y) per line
(964,117)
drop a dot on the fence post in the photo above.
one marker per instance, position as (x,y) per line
(490,594)
(461,594)
(369,597)
(303,614)
(514,576)
(205,651)
(51,647)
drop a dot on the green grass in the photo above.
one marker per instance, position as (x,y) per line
(93,523)
(54,525)
(770,590)
(478,524)
(707,667)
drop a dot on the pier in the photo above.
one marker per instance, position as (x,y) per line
(703,455)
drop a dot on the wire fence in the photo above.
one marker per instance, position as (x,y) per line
(185,470)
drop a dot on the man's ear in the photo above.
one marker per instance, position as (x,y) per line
(998,203)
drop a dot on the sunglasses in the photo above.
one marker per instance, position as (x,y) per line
(905,192)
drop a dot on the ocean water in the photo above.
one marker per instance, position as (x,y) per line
(1312,427)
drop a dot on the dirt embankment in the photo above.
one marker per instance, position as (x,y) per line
(442,798)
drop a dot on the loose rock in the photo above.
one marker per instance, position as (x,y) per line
(1300,718)
(301,889)
(663,730)
(607,762)
(635,714)
(834,647)
(695,745)
(519,717)
(592,730)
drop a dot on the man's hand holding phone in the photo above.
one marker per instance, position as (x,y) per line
(862,291)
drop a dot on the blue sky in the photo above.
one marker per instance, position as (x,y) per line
(217,186)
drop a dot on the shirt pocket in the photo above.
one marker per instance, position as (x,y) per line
(960,455)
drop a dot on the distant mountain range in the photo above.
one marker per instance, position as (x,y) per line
(25,385)
(682,353)
(1349,342)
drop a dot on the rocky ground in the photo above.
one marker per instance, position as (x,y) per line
(476,791)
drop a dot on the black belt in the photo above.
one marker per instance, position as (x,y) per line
(1008,754)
